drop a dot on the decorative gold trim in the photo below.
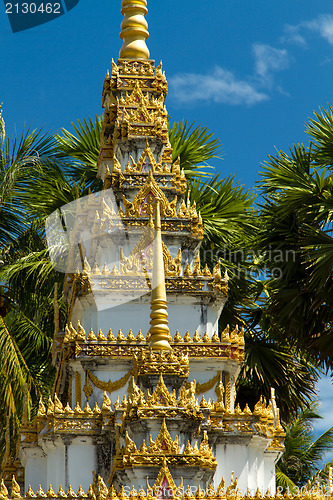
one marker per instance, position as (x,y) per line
(165,473)
(206,386)
(227,380)
(166,362)
(78,400)
(142,204)
(100,491)
(109,386)
(162,451)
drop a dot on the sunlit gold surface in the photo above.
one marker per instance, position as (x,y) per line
(159,329)
(134,30)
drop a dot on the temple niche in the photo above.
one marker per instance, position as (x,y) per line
(143,401)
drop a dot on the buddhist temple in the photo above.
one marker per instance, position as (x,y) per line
(144,398)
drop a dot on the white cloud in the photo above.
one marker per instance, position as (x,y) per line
(293,35)
(322,25)
(269,59)
(221,86)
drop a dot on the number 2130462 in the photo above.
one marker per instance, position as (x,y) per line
(33,8)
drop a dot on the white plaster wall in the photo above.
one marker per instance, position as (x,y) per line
(81,460)
(55,466)
(253,467)
(184,313)
(269,472)
(232,458)
(136,317)
(35,464)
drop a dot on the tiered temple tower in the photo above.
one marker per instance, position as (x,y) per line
(145,387)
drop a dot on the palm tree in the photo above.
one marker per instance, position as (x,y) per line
(302,458)
(296,231)
(25,341)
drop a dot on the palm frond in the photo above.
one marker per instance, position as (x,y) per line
(194,146)
(84,149)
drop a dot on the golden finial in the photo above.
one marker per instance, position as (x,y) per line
(159,329)
(134,31)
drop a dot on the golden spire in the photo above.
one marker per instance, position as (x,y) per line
(134,31)
(159,329)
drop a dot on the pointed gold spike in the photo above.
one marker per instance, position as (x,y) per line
(68,410)
(91,336)
(61,493)
(96,269)
(187,271)
(101,337)
(225,337)
(247,412)
(3,491)
(78,409)
(16,490)
(81,333)
(50,492)
(178,337)
(40,493)
(96,409)
(130,337)
(187,337)
(217,272)
(203,402)
(106,406)
(112,494)
(58,408)
(234,334)
(196,337)
(80,493)
(105,270)
(140,337)
(86,266)
(196,266)
(188,495)
(115,271)
(206,272)
(87,410)
(124,402)
(91,493)
(41,409)
(188,449)
(50,407)
(215,337)
(143,448)
(142,493)
(205,338)
(120,336)
(70,492)
(29,493)
(110,336)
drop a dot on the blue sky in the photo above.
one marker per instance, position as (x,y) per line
(253,71)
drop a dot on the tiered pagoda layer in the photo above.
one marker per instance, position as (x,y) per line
(124,413)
